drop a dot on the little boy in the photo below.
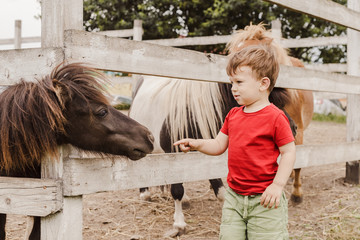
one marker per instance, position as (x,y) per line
(255,134)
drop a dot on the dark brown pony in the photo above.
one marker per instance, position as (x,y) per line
(66,107)
(193,109)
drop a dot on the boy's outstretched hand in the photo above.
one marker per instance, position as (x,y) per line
(187,144)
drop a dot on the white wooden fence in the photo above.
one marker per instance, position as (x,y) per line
(137,31)
(57,197)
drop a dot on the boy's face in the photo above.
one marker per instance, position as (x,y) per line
(246,89)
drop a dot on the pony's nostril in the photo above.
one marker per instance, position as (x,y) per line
(151,138)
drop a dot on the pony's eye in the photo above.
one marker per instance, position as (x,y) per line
(102,113)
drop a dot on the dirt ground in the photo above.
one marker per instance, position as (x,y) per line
(330,209)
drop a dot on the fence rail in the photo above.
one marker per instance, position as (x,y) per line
(28,196)
(122,55)
(82,171)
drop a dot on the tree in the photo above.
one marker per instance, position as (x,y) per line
(172,18)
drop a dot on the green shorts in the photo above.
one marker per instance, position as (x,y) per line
(244,218)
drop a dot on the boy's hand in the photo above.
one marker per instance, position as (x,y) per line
(271,196)
(187,144)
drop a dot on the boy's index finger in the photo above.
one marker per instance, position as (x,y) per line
(182,141)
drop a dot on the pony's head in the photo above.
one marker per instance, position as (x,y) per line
(255,35)
(69,106)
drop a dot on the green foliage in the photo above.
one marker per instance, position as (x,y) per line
(173,18)
(122,106)
(329,118)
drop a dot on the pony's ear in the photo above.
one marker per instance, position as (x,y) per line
(61,92)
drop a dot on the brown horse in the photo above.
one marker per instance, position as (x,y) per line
(194,109)
(67,107)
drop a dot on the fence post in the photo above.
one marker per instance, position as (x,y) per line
(58,16)
(17,36)
(353,107)
(138,30)
(137,36)
(276,30)
(66,224)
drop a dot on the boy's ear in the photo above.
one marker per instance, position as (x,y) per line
(265,83)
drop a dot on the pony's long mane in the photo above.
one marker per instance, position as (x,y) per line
(32,114)
(173,100)
(196,104)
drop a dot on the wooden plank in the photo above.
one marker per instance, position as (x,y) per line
(57,16)
(328,67)
(28,196)
(205,40)
(117,33)
(188,41)
(39,62)
(353,106)
(313,42)
(324,9)
(8,41)
(138,30)
(326,95)
(89,175)
(317,155)
(17,39)
(85,174)
(120,80)
(124,55)
(28,64)
(287,43)
(300,78)
(67,224)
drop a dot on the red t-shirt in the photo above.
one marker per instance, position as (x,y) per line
(254,141)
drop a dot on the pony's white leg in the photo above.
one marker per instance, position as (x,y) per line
(221,194)
(29,227)
(179,220)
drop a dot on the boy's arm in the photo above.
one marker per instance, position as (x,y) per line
(208,146)
(272,194)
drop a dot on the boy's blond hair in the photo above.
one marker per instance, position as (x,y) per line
(260,58)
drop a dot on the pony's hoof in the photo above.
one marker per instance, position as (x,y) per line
(296,199)
(175,232)
(145,196)
(185,204)
(185,201)
(136,237)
